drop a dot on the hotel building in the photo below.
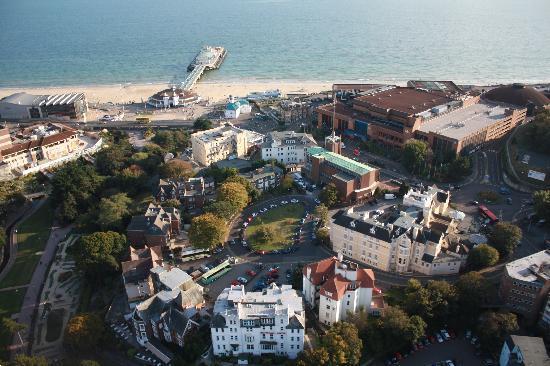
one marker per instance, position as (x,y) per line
(287,147)
(258,323)
(335,287)
(414,240)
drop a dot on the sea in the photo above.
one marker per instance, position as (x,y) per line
(80,42)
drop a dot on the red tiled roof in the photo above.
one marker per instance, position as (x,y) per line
(366,277)
(44,141)
(320,269)
(406,100)
(335,287)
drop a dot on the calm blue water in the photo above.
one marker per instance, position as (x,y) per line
(47,42)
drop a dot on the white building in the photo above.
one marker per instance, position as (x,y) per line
(420,239)
(287,147)
(523,350)
(234,108)
(173,98)
(218,144)
(336,287)
(267,322)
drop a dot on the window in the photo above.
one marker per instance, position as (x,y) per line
(347,303)
(223,338)
(217,338)
(292,338)
(218,346)
(291,346)
(282,336)
(328,307)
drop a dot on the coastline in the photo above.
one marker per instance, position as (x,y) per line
(214,91)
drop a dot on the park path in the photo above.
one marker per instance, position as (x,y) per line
(12,238)
(31,300)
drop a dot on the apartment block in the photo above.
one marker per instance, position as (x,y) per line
(258,323)
(156,227)
(287,147)
(335,287)
(193,193)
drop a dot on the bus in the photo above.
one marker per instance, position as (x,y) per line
(193,254)
(488,214)
(216,272)
(143,120)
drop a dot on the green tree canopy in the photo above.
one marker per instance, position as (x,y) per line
(202,124)
(482,256)
(287,183)
(342,344)
(253,192)
(537,133)
(172,140)
(11,326)
(222,209)
(207,231)
(505,237)
(329,195)
(415,155)
(264,234)
(314,357)
(472,290)
(176,168)
(493,328)
(113,211)
(323,236)
(459,167)
(24,360)
(321,212)
(97,254)
(115,157)
(234,193)
(84,331)
(541,201)
(220,175)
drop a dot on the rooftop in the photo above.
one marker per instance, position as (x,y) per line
(217,133)
(532,349)
(533,268)
(446,87)
(174,278)
(409,101)
(286,138)
(517,94)
(341,161)
(464,121)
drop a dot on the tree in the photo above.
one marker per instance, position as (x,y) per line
(11,326)
(24,360)
(112,211)
(537,133)
(314,357)
(220,174)
(541,201)
(415,155)
(392,331)
(329,195)
(264,234)
(234,193)
(84,331)
(505,237)
(472,289)
(323,236)
(253,192)
(202,123)
(287,183)
(176,168)
(297,277)
(482,256)
(343,344)
(97,254)
(172,202)
(403,189)
(207,231)
(321,212)
(494,327)
(222,209)
(113,158)
(89,363)
(459,167)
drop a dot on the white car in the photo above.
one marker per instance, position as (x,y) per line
(294,200)
(438,337)
(449,363)
(317,201)
(444,334)
(254,214)
(245,224)
(272,205)
(284,202)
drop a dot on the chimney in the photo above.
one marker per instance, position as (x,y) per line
(415,232)
(308,272)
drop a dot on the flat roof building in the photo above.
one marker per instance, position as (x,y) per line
(354,181)
(22,106)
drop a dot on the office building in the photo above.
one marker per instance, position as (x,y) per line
(354,181)
(258,323)
(523,351)
(525,285)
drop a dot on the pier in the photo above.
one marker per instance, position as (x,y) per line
(209,58)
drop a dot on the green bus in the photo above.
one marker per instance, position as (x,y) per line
(216,273)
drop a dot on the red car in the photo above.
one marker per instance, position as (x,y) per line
(452,334)
(398,356)
(251,273)
(432,339)
(420,345)
(274,275)
(235,283)
(249,219)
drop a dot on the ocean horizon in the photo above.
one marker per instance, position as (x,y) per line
(75,42)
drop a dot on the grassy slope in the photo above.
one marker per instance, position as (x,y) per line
(284,220)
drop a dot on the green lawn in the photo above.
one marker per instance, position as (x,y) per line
(283,220)
(54,324)
(32,236)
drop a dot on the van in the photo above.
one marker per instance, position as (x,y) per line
(389,196)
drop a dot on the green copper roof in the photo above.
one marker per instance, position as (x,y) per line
(341,161)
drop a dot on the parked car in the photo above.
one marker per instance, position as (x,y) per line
(444,334)
(317,201)
(235,283)
(468,334)
(242,280)
(449,363)
(439,338)
(251,273)
(294,200)
(473,340)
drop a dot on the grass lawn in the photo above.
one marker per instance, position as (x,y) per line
(32,236)
(283,220)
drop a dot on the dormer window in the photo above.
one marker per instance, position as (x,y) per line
(373,230)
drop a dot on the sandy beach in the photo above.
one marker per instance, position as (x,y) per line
(214,91)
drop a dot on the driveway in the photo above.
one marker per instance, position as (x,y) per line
(459,350)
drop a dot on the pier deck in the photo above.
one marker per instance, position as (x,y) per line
(209,58)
